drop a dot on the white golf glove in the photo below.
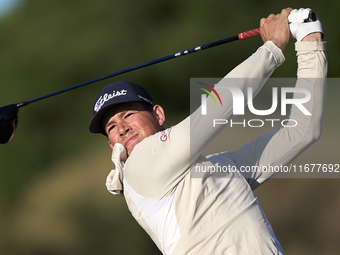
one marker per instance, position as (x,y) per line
(299,24)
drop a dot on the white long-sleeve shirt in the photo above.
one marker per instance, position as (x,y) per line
(218,213)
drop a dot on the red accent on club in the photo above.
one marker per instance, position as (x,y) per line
(249,33)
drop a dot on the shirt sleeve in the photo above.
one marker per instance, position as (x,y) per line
(281,146)
(252,73)
(166,157)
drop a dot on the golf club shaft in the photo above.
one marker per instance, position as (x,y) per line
(240,36)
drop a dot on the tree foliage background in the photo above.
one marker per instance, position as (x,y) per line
(52,194)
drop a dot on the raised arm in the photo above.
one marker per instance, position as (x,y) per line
(253,72)
(284,144)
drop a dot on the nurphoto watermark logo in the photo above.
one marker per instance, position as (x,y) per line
(204,98)
(251,127)
(240,95)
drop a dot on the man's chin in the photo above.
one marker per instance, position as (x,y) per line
(130,148)
(131,145)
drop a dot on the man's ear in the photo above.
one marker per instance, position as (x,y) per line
(159,113)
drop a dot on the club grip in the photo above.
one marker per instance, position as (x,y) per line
(249,33)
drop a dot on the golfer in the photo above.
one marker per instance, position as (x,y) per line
(218,213)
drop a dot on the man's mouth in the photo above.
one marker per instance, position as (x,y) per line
(130,140)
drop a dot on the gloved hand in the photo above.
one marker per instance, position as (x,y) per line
(303,22)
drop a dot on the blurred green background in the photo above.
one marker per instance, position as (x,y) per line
(53,198)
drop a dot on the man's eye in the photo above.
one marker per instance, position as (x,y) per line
(110,128)
(128,114)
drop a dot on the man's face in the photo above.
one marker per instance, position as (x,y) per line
(129,123)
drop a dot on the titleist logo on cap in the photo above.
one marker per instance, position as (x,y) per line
(106,97)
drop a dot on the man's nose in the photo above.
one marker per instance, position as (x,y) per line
(123,127)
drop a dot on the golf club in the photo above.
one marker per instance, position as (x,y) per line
(9,113)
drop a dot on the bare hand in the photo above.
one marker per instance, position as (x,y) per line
(275,28)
